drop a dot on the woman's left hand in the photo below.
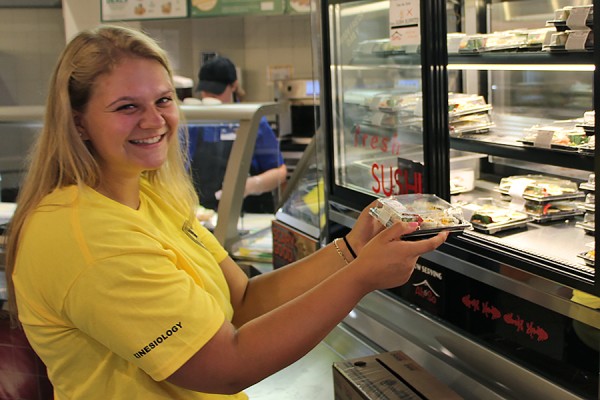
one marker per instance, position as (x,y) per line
(365,228)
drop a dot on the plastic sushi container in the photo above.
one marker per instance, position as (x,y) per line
(432,213)
(490,216)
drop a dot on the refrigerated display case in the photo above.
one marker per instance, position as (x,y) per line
(299,225)
(489,105)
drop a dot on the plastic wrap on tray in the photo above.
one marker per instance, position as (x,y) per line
(589,122)
(462,103)
(429,211)
(589,118)
(402,103)
(567,134)
(378,47)
(570,40)
(537,38)
(590,198)
(454,39)
(552,210)
(539,188)
(472,43)
(590,185)
(588,148)
(588,256)
(491,216)
(565,17)
(589,220)
(471,123)
(505,40)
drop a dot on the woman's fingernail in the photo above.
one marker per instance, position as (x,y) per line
(413,224)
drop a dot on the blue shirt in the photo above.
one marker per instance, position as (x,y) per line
(210,147)
(266,156)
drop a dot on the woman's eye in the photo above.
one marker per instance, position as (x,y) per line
(126,107)
(165,100)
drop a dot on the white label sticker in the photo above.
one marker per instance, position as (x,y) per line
(576,40)
(404,18)
(578,18)
(543,138)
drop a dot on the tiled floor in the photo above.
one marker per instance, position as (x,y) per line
(310,378)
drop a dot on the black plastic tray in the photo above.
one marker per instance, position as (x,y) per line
(555,216)
(494,228)
(588,228)
(588,260)
(538,199)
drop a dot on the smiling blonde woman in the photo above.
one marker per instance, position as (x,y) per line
(119,289)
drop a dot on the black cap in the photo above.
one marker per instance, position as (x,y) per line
(216,74)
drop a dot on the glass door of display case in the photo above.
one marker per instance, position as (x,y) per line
(492,109)
(378,92)
(460,100)
(532,62)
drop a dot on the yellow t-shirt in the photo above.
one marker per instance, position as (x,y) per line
(114,300)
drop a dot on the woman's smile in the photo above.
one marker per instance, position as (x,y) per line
(147,141)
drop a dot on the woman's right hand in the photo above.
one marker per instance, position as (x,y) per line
(387,261)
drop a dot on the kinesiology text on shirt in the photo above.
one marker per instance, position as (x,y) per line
(159,340)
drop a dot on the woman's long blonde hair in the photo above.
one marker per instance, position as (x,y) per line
(60,158)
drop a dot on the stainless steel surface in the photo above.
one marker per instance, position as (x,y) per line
(560,241)
(229,112)
(470,369)
(238,165)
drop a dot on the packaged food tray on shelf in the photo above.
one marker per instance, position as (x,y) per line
(565,18)
(462,104)
(590,185)
(539,188)
(589,257)
(471,124)
(563,135)
(551,210)
(490,216)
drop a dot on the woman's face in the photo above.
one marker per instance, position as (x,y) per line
(131,118)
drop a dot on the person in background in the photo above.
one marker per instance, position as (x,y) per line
(120,290)
(218,84)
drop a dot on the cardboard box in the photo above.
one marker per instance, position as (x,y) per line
(392,375)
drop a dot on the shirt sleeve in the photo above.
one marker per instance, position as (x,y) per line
(144,309)
(267,153)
